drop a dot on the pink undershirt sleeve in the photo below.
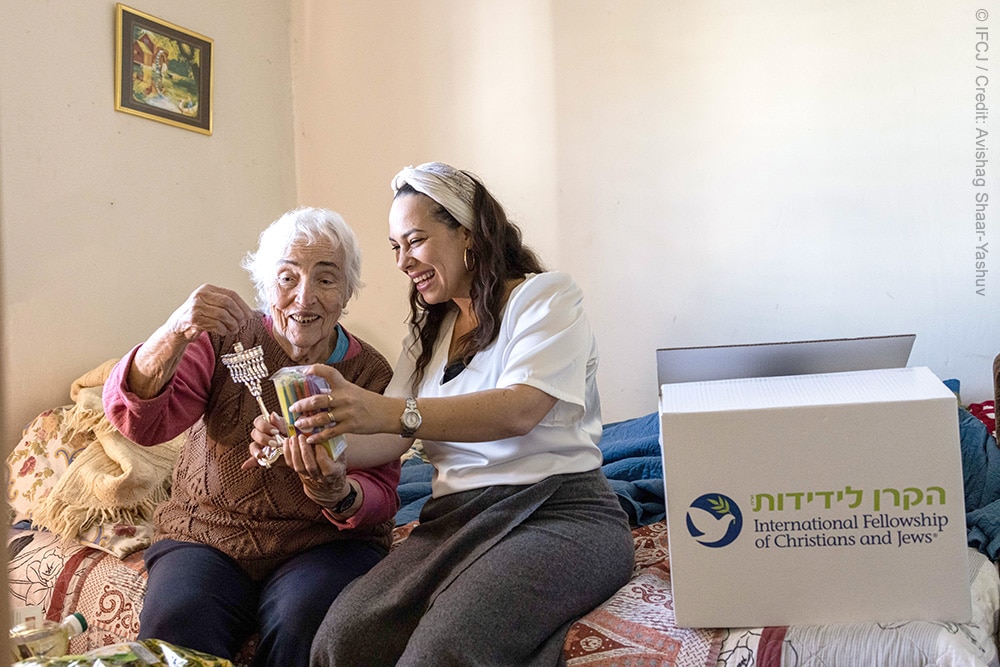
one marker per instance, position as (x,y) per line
(177,407)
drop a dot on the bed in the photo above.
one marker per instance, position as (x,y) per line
(100,573)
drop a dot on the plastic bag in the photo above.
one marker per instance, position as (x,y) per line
(143,653)
(292,383)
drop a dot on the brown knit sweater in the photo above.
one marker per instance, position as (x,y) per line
(260,518)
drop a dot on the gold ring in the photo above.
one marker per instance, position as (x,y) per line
(329,415)
(329,400)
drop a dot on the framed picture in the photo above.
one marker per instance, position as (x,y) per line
(163,72)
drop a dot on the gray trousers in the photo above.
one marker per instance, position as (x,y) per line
(490,577)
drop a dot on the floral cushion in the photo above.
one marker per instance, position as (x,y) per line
(36,464)
(38,461)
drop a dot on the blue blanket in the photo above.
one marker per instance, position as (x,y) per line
(632,464)
(981,472)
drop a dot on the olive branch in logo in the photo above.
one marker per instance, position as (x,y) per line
(720,505)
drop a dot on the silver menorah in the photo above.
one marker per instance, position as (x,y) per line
(248,368)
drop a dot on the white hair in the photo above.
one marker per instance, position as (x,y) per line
(302,224)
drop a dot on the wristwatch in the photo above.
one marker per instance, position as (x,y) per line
(347,502)
(411,419)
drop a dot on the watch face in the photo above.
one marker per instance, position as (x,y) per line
(411,419)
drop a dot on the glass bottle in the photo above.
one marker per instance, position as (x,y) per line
(45,638)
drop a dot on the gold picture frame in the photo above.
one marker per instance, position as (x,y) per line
(163,72)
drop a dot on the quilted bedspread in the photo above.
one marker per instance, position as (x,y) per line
(637,625)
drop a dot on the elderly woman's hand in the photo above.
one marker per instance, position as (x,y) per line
(209,308)
(323,478)
(264,434)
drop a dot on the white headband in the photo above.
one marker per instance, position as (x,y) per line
(449,187)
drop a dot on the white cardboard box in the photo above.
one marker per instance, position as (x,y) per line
(815,499)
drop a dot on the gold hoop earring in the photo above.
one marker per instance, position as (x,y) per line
(465,260)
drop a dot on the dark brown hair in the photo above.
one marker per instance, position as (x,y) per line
(497,254)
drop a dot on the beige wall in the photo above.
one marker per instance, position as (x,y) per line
(710,172)
(379,86)
(107,220)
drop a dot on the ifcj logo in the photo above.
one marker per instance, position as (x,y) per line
(714,520)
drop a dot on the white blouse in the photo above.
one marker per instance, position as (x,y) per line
(545,341)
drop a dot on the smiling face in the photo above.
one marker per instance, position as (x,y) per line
(429,251)
(309,297)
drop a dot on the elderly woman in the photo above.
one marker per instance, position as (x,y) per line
(523,533)
(264,550)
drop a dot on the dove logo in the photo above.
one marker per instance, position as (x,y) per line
(714,520)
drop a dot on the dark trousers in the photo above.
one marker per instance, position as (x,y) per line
(199,598)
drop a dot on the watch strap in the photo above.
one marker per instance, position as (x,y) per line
(409,430)
(347,502)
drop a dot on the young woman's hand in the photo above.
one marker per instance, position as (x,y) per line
(346,408)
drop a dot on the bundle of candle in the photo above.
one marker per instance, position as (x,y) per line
(293,384)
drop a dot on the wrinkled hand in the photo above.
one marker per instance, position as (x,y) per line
(264,435)
(209,308)
(324,479)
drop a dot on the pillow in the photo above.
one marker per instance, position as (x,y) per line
(39,460)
